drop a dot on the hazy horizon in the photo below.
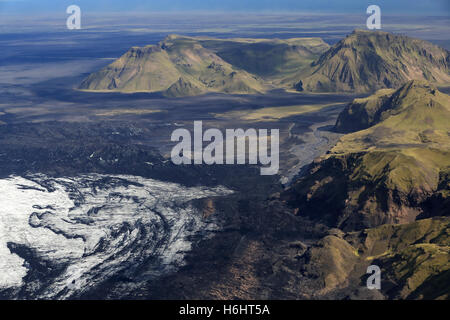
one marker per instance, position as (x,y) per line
(435,7)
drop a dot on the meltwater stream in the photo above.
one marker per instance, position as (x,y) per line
(76,232)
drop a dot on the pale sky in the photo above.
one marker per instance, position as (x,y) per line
(415,7)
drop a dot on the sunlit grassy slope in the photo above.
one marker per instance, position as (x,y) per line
(414,259)
(381,183)
(271,113)
(408,144)
(177,66)
(186,66)
(364,61)
(416,115)
(391,172)
(118,112)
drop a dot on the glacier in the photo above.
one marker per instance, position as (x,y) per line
(80,231)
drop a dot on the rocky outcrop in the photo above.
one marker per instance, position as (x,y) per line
(182,88)
(413,259)
(366,61)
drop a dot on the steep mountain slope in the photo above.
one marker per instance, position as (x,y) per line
(187,66)
(392,172)
(182,88)
(415,113)
(160,67)
(366,61)
(413,258)
(271,59)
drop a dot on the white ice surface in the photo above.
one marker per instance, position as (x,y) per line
(96,225)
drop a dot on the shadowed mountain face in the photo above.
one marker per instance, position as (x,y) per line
(392,172)
(366,61)
(272,59)
(413,258)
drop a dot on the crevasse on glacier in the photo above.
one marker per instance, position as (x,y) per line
(87,228)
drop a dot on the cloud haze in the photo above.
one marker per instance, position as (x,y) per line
(437,7)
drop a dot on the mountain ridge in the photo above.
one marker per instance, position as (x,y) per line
(156,68)
(363,62)
(385,173)
(366,61)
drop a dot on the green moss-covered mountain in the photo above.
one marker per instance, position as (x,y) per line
(414,260)
(366,61)
(185,66)
(278,62)
(363,62)
(384,191)
(160,67)
(394,171)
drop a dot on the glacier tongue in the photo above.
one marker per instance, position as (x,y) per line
(91,227)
